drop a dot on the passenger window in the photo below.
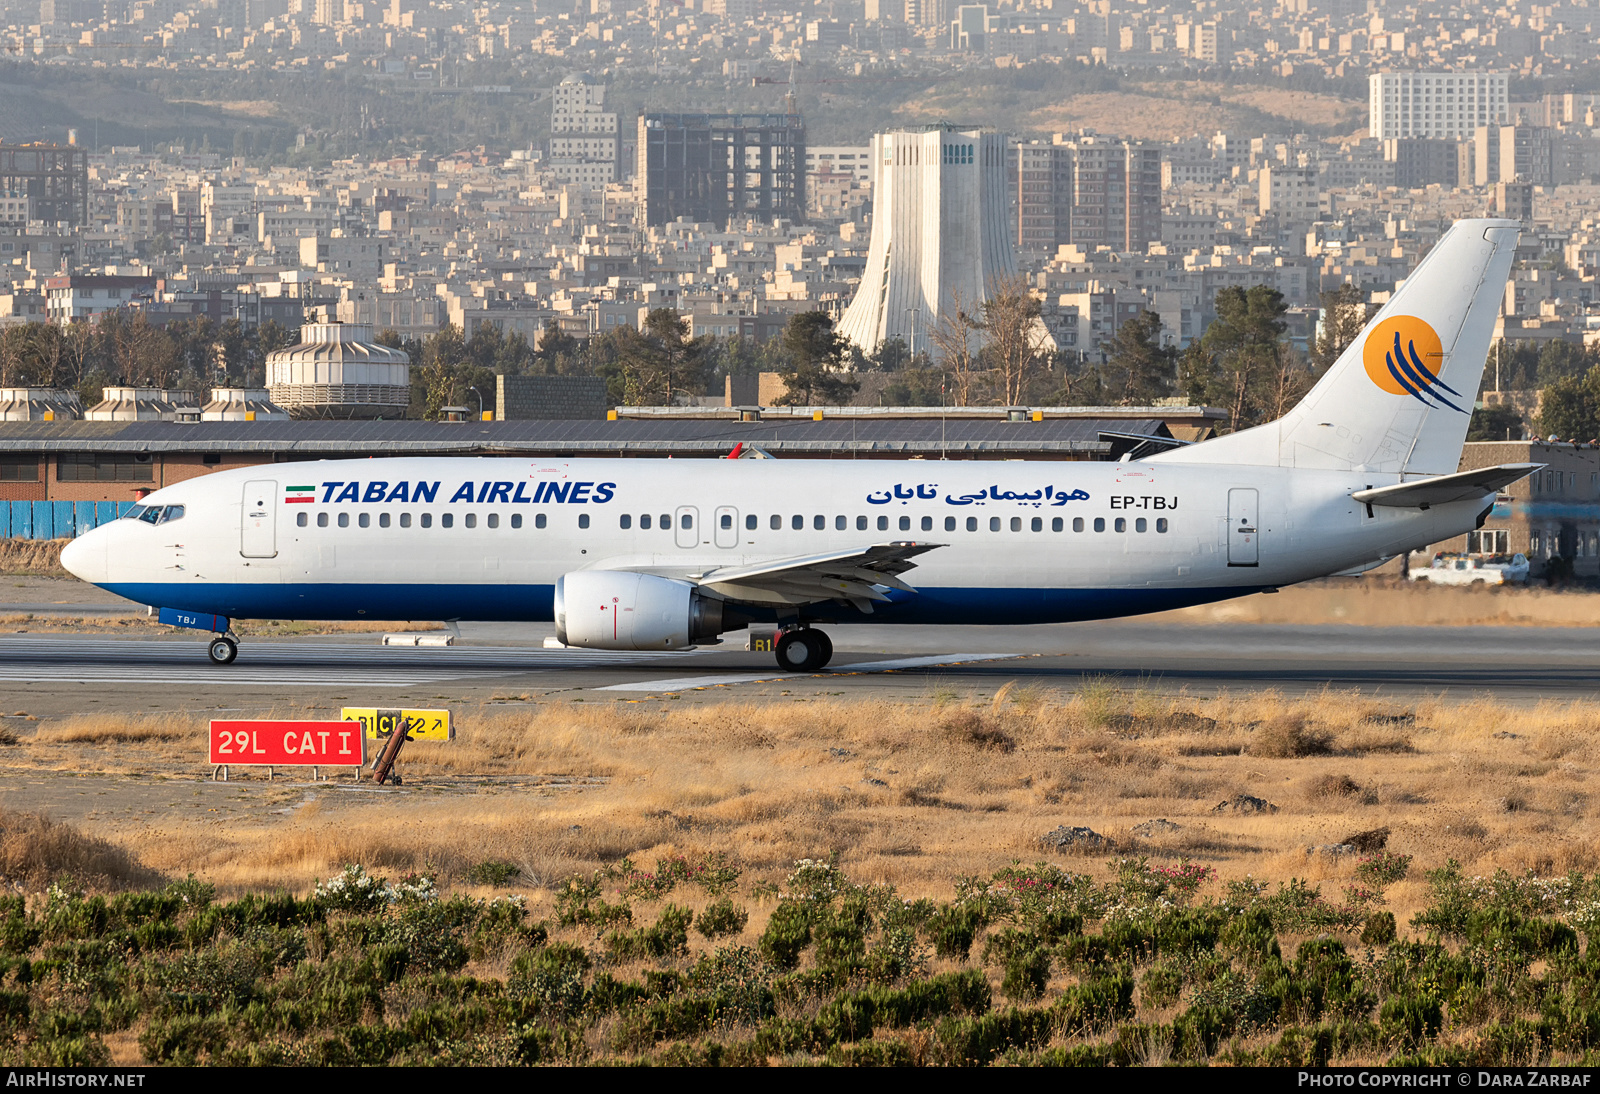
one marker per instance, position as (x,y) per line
(446,520)
(1016,524)
(686,521)
(861,524)
(1055,524)
(994,524)
(472,520)
(344,520)
(383,520)
(516,520)
(644,522)
(666,522)
(405,520)
(1038,524)
(949,524)
(927,524)
(750,522)
(301,520)
(883,524)
(905,524)
(1099,524)
(972,524)
(776,522)
(841,523)
(494,520)
(583,520)
(798,522)
(819,522)
(365,520)
(427,520)
(627,522)
(539,520)
(1161,524)
(726,523)
(1122,524)
(1140,525)
(1077,524)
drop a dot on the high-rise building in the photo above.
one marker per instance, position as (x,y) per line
(1436,105)
(940,233)
(718,167)
(583,133)
(1089,190)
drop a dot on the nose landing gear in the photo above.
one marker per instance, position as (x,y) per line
(801,649)
(222,650)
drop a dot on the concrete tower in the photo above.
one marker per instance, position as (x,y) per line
(940,229)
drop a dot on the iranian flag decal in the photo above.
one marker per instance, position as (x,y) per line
(293,494)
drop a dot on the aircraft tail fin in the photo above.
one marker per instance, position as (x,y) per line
(1400,397)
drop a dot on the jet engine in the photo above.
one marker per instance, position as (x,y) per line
(622,610)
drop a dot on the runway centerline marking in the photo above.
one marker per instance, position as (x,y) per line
(690,683)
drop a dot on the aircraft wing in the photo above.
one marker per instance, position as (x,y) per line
(1446,488)
(858,576)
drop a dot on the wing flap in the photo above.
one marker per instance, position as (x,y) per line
(858,576)
(1442,489)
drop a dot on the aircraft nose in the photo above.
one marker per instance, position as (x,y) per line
(85,557)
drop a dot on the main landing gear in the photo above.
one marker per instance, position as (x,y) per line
(222,650)
(801,649)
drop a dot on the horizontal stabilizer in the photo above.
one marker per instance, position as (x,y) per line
(1462,486)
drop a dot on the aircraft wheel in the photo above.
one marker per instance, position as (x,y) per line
(803,650)
(222,651)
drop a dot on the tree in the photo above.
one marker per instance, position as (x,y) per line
(955,343)
(1495,423)
(1345,312)
(1140,369)
(658,365)
(1570,409)
(1011,322)
(555,345)
(815,354)
(1241,362)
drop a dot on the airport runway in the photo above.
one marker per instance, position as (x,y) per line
(51,675)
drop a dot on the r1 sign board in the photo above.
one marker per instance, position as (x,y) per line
(327,744)
(425,725)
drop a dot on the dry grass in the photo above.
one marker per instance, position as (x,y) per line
(35,851)
(911,793)
(32,557)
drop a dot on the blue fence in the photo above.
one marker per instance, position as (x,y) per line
(56,519)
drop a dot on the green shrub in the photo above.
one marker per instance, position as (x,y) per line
(720,918)
(787,935)
(667,936)
(551,977)
(953,927)
(1411,1019)
(1095,1004)
(183,1041)
(1379,929)
(1383,868)
(494,872)
(871,1054)
(1026,972)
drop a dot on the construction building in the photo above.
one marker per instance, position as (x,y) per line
(716,168)
(54,177)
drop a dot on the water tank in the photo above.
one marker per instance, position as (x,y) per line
(337,371)
(241,404)
(143,404)
(39,404)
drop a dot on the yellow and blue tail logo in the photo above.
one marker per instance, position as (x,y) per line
(1403,356)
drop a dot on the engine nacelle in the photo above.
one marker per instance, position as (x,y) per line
(622,610)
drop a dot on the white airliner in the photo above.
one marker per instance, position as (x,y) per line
(663,555)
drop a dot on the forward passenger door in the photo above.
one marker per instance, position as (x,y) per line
(259,534)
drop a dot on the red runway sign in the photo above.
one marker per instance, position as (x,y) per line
(283,743)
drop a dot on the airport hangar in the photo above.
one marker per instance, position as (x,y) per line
(79,461)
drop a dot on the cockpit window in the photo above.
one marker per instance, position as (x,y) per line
(155,514)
